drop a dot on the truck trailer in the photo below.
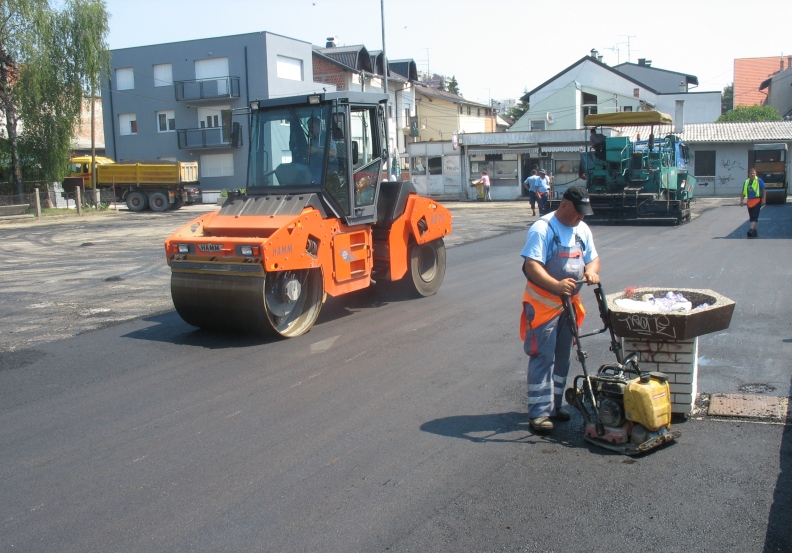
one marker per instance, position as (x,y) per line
(158,185)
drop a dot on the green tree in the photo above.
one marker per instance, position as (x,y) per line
(746,114)
(50,61)
(453,86)
(518,110)
(727,98)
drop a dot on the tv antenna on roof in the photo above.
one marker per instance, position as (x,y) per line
(628,45)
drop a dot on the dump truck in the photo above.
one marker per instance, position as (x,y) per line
(315,220)
(636,181)
(158,185)
(770,162)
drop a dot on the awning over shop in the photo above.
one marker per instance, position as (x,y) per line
(627,118)
(563,148)
(505,151)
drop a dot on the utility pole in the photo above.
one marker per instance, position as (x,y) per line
(387,92)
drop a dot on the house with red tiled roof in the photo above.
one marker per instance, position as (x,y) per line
(750,73)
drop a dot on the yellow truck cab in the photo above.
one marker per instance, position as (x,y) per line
(80,166)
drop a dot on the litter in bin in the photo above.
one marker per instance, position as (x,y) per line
(672,301)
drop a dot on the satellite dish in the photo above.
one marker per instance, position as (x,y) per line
(550,118)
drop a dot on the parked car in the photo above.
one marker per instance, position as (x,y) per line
(194,196)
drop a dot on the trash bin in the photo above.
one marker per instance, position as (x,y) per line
(668,341)
(479,189)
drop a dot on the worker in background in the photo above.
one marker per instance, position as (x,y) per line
(755,195)
(485,180)
(530,185)
(559,250)
(598,143)
(542,191)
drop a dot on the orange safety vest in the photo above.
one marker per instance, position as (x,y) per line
(546,307)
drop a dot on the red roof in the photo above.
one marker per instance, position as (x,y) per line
(749,73)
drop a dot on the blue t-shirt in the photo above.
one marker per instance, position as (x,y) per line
(531,182)
(540,243)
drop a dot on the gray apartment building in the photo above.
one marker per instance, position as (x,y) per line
(187,101)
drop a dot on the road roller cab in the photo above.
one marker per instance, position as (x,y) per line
(314,220)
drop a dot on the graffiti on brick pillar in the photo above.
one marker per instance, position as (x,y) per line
(649,325)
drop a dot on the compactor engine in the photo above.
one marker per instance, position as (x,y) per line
(314,220)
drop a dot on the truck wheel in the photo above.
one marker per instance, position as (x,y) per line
(159,202)
(427,268)
(136,201)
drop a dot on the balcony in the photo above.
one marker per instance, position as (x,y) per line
(214,137)
(207,89)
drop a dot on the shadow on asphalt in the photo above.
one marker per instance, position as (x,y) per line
(779,536)
(170,328)
(510,427)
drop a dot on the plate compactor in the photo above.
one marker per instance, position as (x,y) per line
(624,409)
(316,219)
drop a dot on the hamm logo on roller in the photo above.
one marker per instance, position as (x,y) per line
(210,248)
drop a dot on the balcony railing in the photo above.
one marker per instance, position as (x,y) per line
(207,89)
(215,137)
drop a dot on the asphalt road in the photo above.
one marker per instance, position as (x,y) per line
(392,425)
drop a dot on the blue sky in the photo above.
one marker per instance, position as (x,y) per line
(497,48)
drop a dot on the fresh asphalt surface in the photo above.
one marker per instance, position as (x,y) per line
(400,425)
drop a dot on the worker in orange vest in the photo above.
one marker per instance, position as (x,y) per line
(754,194)
(558,252)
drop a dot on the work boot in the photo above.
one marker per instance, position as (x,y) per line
(562,414)
(541,424)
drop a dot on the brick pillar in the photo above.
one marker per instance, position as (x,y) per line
(676,358)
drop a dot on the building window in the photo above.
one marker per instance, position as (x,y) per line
(290,68)
(125,79)
(217,165)
(538,125)
(127,123)
(435,165)
(705,163)
(163,74)
(166,121)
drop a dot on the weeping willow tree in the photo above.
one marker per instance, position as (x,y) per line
(51,59)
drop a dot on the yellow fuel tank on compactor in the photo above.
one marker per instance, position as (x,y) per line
(647,401)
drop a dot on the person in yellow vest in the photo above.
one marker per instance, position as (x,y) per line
(755,195)
(559,250)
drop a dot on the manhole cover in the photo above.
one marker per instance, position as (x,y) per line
(749,406)
(756,388)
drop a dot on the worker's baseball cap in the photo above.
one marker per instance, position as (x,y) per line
(580,199)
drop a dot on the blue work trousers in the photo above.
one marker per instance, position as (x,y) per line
(548,347)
